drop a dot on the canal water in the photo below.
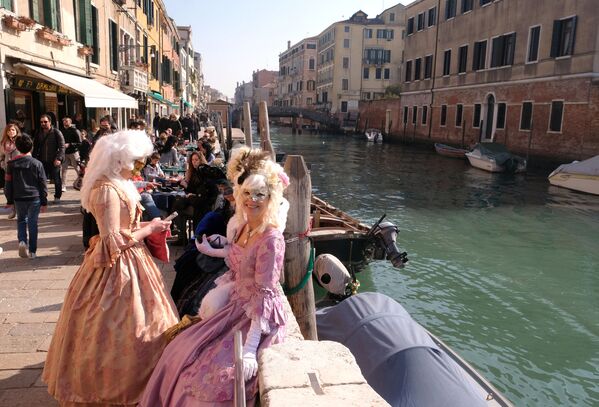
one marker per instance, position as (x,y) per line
(503,268)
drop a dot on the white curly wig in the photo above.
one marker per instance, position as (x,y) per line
(252,168)
(111,154)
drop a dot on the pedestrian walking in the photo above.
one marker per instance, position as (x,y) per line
(8,151)
(72,143)
(26,189)
(109,334)
(48,147)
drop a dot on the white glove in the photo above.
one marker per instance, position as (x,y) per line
(250,364)
(205,248)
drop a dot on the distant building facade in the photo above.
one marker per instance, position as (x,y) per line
(358,59)
(297,75)
(499,71)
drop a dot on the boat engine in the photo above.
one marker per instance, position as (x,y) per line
(386,235)
(332,274)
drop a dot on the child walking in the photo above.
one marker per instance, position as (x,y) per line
(26,189)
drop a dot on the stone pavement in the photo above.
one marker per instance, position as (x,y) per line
(31,295)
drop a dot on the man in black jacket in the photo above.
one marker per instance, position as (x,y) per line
(26,189)
(48,147)
(72,142)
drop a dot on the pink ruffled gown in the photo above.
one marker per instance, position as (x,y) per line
(109,334)
(197,368)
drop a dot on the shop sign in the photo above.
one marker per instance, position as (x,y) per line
(23,82)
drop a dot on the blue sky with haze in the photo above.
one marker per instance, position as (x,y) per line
(236,37)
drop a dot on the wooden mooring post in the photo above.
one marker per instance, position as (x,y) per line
(264,128)
(247,124)
(297,250)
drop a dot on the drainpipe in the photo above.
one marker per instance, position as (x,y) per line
(437,23)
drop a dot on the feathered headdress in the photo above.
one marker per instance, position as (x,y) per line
(245,162)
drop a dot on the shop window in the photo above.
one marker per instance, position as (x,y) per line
(526,116)
(564,33)
(46,12)
(556,117)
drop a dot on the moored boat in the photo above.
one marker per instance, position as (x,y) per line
(374,135)
(495,157)
(580,176)
(449,151)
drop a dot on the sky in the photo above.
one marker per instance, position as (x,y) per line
(237,37)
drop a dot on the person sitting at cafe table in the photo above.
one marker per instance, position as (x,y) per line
(168,154)
(200,193)
(152,171)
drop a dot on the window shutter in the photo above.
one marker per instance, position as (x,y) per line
(51,14)
(510,57)
(7,4)
(85,22)
(557,28)
(34,9)
(573,36)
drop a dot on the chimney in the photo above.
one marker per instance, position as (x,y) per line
(288,44)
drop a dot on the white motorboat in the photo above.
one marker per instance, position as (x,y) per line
(374,135)
(495,157)
(580,176)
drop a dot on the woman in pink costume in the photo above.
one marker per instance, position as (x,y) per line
(197,368)
(110,332)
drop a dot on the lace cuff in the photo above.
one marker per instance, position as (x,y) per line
(107,249)
(266,306)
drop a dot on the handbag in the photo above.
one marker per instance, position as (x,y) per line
(156,243)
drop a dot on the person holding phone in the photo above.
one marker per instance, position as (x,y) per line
(110,331)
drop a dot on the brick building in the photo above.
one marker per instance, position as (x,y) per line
(521,72)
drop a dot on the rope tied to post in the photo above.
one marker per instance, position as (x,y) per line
(307,276)
(301,235)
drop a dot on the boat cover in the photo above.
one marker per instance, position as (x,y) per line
(587,167)
(495,150)
(398,358)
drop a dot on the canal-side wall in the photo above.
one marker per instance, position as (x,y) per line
(578,139)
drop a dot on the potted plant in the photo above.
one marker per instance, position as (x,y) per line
(46,34)
(29,22)
(85,50)
(12,23)
(64,41)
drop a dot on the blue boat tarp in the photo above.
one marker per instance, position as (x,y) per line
(396,355)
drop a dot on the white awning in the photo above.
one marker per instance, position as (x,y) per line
(95,94)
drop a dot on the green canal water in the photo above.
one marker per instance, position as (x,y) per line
(503,268)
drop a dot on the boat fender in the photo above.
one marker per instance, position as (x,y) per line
(331,274)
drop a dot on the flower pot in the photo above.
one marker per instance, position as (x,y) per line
(13,23)
(46,35)
(64,41)
(29,22)
(85,50)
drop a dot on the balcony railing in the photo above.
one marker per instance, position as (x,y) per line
(134,78)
